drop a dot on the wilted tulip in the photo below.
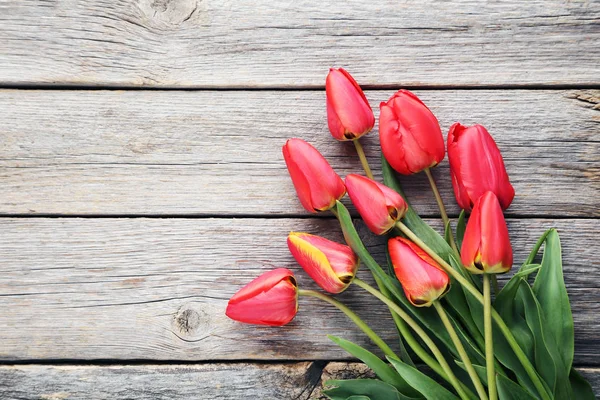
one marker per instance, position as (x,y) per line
(486,245)
(270,299)
(421,277)
(379,206)
(410,135)
(317,184)
(349,114)
(331,265)
(476,166)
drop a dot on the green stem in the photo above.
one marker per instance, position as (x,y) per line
(421,333)
(479,297)
(442,208)
(461,351)
(398,322)
(355,318)
(489,341)
(363,158)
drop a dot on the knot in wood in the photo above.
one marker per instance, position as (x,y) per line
(187,320)
(171,12)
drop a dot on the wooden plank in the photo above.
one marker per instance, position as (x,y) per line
(266,43)
(233,381)
(219,152)
(140,288)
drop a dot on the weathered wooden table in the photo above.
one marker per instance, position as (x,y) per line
(142,178)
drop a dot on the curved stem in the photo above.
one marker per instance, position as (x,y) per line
(363,158)
(398,322)
(355,318)
(440,202)
(461,351)
(420,332)
(479,297)
(489,342)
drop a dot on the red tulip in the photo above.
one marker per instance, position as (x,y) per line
(330,264)
(486,245)
(349,114)
(379,206)
(410,135)
(476,166)
(317,184)
(270,299)
(421,277)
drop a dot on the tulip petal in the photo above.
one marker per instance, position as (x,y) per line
(477,166)
(299,180)
(333,121)
(495,248)
(349,103)
(370,202)
(270,299)
(410,135)
(423,281)
(276,307)
(317,184)
(315,263)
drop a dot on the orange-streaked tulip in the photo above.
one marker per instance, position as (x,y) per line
(270,299)
(379,206)
(317,184)
(421,277)
(476,166)
(410,135)
(332,265)
(486,245)
(349,114)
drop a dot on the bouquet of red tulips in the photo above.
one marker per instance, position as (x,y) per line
(438,287)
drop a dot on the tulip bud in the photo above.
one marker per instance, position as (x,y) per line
(410,135)
(330,264)
(379,206)
(421,277)
(317,184)
(486,245)
(476,166)
(349,114)
(270,299)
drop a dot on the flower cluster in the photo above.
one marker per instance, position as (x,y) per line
(425,265)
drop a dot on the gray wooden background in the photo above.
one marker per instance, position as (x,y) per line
(142,181)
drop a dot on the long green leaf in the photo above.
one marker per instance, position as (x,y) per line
(429,388)
(379,367)
(461,227)
(545,363)
(370,389)
(550,291)
(508,390)
(582,390)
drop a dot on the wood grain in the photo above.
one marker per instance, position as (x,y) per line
(219,152)
(156,289)
(232,381)
(276,43)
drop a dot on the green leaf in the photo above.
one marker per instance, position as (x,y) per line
(545,363)
(370,389)
(379,367)
(461,227)
(550,291)
(582,390)
(447,232)
(536,247)
(481,371)
(421,382)
(412,219)
(508,390)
